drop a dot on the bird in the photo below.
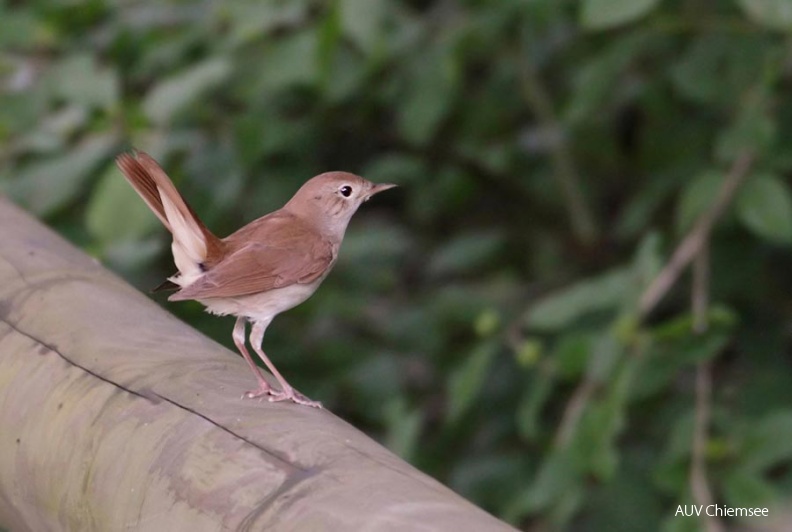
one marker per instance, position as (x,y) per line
(268,266)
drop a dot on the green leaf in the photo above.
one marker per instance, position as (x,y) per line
(768,442)
(17,28)
(679,327)
(182,90)
(764,206)
(745,489)
(675,347)
(491,478)
(53,131)
(403,426)
(605,355)
(717,69)
(571,354)
(287,62)
(254,19)
(671,467)
(604,14)
(648,261)
(604,292)
(558,479)
(465,383)
(642,206)
(19,112)
(43,187)
(600,425)
(330,53)
(429,96)
(694,348)
(530,407)
(362,21)
(604,419)
(753,129)
(128,256)
(696,198)
(774,14)
(600,78)
(115,212)
(65,122)
(80,80)
(465,253)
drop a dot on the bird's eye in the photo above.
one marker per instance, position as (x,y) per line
(345,191)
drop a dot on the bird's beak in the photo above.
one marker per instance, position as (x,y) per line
(376,189)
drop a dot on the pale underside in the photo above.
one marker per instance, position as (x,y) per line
(264,306)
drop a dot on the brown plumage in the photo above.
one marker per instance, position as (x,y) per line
(270,265)
(272,252)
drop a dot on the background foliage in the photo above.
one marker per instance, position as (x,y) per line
(483,320)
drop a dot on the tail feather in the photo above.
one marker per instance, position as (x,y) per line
(194,245)
(143,184)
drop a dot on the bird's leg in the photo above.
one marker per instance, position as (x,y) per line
(239,340)
(288,393)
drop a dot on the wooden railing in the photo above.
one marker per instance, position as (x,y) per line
(114,415)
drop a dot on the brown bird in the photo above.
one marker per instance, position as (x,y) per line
(270,265)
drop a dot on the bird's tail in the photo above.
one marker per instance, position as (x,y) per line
(193,244)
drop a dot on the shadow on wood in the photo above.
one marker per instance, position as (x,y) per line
(117,416)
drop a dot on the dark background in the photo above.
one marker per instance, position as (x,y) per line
(484,319)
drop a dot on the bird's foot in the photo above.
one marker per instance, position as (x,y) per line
(290,394)
(263,389)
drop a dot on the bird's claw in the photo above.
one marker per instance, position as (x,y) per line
(290,394)
(293,395)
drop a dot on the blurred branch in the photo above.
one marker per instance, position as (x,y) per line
(695,239)
(700,292)
(573,412)
(699,486)
(565,171)
(690,247)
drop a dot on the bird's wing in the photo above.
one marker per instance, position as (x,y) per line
(273,252)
